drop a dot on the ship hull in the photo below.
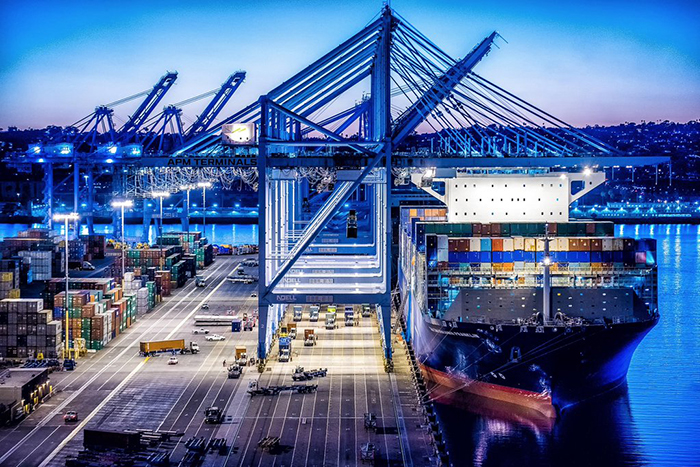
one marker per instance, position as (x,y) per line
(545,369)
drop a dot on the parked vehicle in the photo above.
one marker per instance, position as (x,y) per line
(205,306)
(309,337)
(215,337)
(235,371)
(313,313)
(241,355)
(285,346)
(349,316)
(366,311)
(69,364)
(213,415)
(330,319)
(172,361)
(200,281)
(172,345)
(200,331)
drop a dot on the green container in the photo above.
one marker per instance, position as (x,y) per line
(505,230)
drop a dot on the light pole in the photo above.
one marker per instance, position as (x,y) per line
(187,188)
(204,186)
(73,216)
(123,204)
(160,195)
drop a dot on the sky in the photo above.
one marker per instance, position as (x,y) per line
(589,62)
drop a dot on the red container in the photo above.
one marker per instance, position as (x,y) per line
(497,244)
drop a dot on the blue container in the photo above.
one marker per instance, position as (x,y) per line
(474,256)
(463,257)
(236,326)
(497,257)
(508,257)
(607,256)
(539,256)
(453,257)
(584,256)
(596,256)
(485,245)
(518,255)
(529,256)
(618,257)
(485,256)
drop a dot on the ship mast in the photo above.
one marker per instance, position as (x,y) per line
(546,285)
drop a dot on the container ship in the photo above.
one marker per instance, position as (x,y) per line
(505,300)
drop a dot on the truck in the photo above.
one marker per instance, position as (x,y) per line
(285,349)
(309,337)
(236,325)
(81,265)
(297,312)
(349,316)
(213,415)
(241,355)
(292,330)
(171,345)
(313,313)
(366,311)
(200,281)
(330,320)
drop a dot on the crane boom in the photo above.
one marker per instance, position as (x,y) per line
(147,106)
(216,105)
(441,88)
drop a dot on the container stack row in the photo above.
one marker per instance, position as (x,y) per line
(40,263)
(515,254)
(95,317)
(9,278)
(521,229)
(94,246)
(27,330)
(189,241)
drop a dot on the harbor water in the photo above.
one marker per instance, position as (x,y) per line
(655,422)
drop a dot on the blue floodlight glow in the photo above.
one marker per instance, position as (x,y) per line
(238,205)
(41,161)
(83,204)
(216,205)
(112,150)
(110,161)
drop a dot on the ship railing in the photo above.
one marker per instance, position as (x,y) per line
(487,269)
(568,322)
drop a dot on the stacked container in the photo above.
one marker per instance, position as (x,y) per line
(27,330)
(41,263)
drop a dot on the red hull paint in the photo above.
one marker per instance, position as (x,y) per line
(528,399)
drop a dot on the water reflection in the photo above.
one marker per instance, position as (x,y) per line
(600,434)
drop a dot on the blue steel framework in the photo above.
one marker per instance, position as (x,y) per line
(412,82)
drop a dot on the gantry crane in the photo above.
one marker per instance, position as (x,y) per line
(169,121)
